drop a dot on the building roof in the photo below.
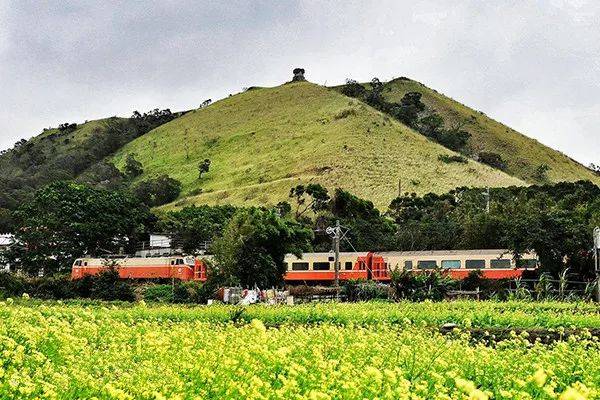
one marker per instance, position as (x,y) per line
(6,240)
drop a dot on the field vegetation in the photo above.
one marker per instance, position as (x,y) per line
(104,351)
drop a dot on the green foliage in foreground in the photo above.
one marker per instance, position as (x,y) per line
(72,352)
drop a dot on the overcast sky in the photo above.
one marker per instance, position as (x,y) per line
(532,65)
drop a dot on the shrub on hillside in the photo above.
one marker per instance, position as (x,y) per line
(492,159)
(445,158)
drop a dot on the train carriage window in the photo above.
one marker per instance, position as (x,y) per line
(408,265)
(527,263)
(348,265)
(475,264)
(172,262)
(500,263)
(331,258)
(300,266)
(85,264)
(427,264)
(455,264)
(321,266)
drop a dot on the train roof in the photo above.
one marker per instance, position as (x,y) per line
(331,254)
(478,252)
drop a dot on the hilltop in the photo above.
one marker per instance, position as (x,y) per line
(266,140)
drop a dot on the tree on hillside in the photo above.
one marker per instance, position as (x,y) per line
(540,173)
(409,108)
(158,191)
(65,221)
(312,197)
(133,168)
(254,244)
(353,89)
(203,167)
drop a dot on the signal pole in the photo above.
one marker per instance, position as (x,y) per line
(487,200)
(597,261)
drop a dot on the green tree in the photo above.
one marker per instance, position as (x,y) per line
(65,221)
(193,226)
(133,168)
(158,191)
(254,244)
(310,197)
(204,167)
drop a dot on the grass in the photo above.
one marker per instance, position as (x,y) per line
(521,153)
(264,141)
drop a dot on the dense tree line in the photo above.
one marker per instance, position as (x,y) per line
(67,220)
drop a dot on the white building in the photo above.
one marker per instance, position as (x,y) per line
(5,242)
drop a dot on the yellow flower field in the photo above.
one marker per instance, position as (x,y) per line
(54,351)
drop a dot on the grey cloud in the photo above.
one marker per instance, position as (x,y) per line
(531,65)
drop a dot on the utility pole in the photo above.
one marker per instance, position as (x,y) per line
(399,187)
(336,234)
(337,237)
(597,261)
(487,200)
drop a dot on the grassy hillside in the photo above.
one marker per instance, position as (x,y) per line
(521,153)
(264,141)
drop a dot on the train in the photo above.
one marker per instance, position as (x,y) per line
(319,268)
(378,266)
(183,268)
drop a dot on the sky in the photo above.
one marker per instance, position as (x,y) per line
(533,65)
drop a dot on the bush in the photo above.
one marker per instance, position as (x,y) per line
(358,290)
(160,293)
(191,292)
(421,286)
(108,286)
(57,287)
(12,285)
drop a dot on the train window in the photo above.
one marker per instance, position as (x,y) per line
(321,266)
(85,264)
(300,266)
(78,263)
(408,265)
(451,264)
(475,264)
(348,265)
(427,264)
(331,258)
(527,263)
(500,263)
(172,262)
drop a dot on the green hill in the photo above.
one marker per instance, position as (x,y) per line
(266,140)
(520,153)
